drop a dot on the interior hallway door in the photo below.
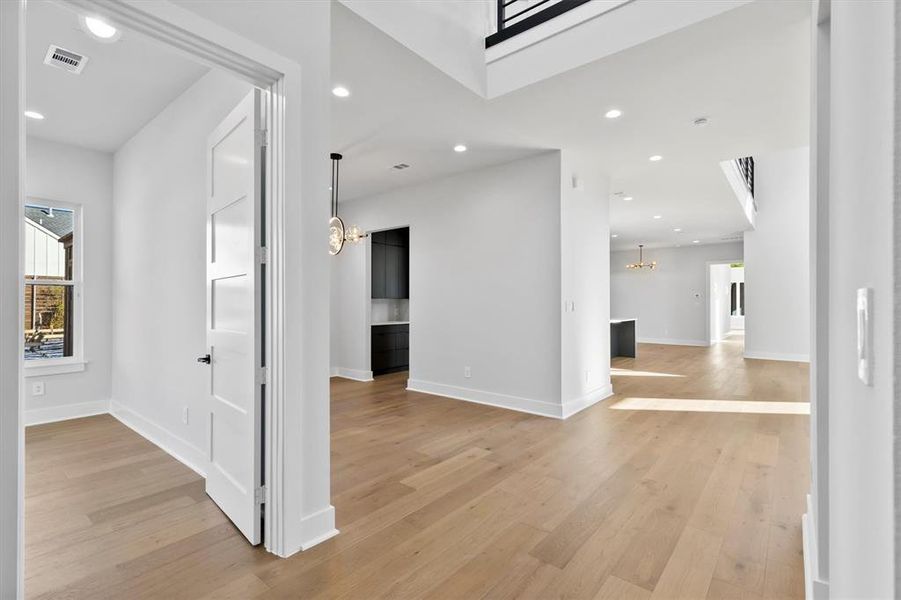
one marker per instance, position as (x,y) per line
(234,316)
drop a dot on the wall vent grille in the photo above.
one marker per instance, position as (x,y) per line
(66,60)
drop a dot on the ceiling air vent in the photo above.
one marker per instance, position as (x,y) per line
(65,59)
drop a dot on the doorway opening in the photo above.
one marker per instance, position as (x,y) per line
(152,232)
(726,302)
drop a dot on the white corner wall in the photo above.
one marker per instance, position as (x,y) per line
(777,274)
(159,269)
(585,283)
(669,303)
(863,234)
(484,284)
(76,175)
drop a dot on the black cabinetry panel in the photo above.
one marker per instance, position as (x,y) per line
(390,348)
(391,263)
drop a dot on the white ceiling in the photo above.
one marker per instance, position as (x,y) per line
(745,70)
(123,86)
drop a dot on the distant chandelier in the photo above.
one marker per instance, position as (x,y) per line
(337,234)
(641,264)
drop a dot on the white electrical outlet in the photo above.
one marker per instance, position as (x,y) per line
(37,388)
(467,372)
(184,415)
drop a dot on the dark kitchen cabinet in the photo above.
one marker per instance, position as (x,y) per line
(391,263)
(379,269)
(390,348)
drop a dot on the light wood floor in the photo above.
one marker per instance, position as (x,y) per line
(439,498)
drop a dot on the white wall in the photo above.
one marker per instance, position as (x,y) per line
(585,282)
(720,300)
(159,270)
(777,274)
(863,160)
(484,283)
(670,303)
(449,34)
(70,174)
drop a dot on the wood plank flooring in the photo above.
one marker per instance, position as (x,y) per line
(439,498)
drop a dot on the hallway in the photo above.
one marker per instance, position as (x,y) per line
(441,498)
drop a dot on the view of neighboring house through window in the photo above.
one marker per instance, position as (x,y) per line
(50,282)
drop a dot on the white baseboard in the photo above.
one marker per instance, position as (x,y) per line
(814,588)
(571,407)
(314,529)
(52,414)
(776,356)
(355,374)
(673,342)
(526,405)
(184,452)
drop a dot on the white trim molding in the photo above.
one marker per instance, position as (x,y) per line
(40,368)
(188,454)
(814,587)
(673,342)
(316,528)
(355,374)
(571,407)
(12,276)
(542,408)
(777,356)
(52,414)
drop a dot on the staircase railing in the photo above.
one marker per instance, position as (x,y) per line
(516,16)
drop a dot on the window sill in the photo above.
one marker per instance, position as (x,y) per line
(39,368)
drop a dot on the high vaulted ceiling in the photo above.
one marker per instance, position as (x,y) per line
(746,71)
(123,86)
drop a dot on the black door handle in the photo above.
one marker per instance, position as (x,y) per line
(206,358)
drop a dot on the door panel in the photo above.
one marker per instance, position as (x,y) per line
(234,292)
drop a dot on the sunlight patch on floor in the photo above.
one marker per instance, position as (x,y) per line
(616,372)
(718,406)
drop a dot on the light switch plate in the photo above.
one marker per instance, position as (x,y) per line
(865,335)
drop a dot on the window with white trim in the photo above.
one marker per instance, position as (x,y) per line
(52,283)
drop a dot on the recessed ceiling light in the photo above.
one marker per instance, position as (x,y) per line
(695,241)
(31,114)
(658,216)
(459,148)
(614,235)
(627,199)
(613,113)
(678,229)
(655,158)
(340,91)
(100,29)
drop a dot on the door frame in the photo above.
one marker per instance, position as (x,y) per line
(367,300)
(214,46)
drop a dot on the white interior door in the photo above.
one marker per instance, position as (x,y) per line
(234,316)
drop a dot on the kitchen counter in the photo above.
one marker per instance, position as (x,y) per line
(391,323)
